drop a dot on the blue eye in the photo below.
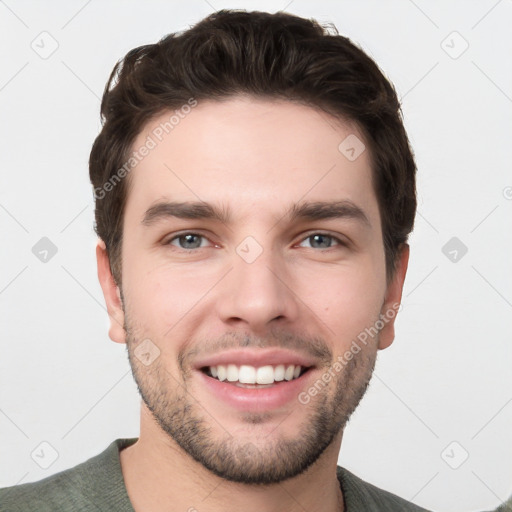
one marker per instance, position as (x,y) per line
(188,241)
(322,241)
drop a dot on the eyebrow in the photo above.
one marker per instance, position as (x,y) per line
(309,211)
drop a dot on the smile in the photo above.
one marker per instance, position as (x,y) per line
(246,374)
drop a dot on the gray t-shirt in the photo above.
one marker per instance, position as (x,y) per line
(98,485)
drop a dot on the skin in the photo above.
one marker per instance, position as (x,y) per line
(255,157)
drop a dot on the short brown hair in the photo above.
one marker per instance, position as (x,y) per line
(279,56)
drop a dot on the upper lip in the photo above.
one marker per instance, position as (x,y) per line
(256,358)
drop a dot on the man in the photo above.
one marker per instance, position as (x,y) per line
(254,190)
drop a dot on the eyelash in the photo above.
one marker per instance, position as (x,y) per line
(339,242)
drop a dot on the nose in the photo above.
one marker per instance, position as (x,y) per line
(257,294)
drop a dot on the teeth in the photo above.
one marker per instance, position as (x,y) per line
(246,374)
(279,373)
(265,375)
(232,373)
(221,372)
(288,374)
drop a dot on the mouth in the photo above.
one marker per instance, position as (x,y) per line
(251,377)
(255,380)
(247,388)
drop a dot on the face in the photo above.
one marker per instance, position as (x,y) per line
(252,263)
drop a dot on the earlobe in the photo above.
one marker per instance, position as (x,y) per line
(393,299)
(111,293)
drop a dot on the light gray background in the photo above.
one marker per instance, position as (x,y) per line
(448,375)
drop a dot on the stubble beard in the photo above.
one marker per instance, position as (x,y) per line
(190,426)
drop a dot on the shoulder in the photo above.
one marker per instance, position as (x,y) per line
(79,488)
(505,507)
(363,496)
(51,493)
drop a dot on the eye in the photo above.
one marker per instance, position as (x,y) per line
(322,241)
(188,241)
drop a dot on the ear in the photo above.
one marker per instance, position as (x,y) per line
(111,293)
(393,298)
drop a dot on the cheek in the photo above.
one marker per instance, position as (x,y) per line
(347,299)
(165,296)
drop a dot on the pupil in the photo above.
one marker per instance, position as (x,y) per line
(323,241)
(190,241)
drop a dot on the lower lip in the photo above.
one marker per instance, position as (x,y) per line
(251,399)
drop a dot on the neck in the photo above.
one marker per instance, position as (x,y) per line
(160,476)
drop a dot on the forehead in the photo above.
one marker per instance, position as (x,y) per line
(246,153)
